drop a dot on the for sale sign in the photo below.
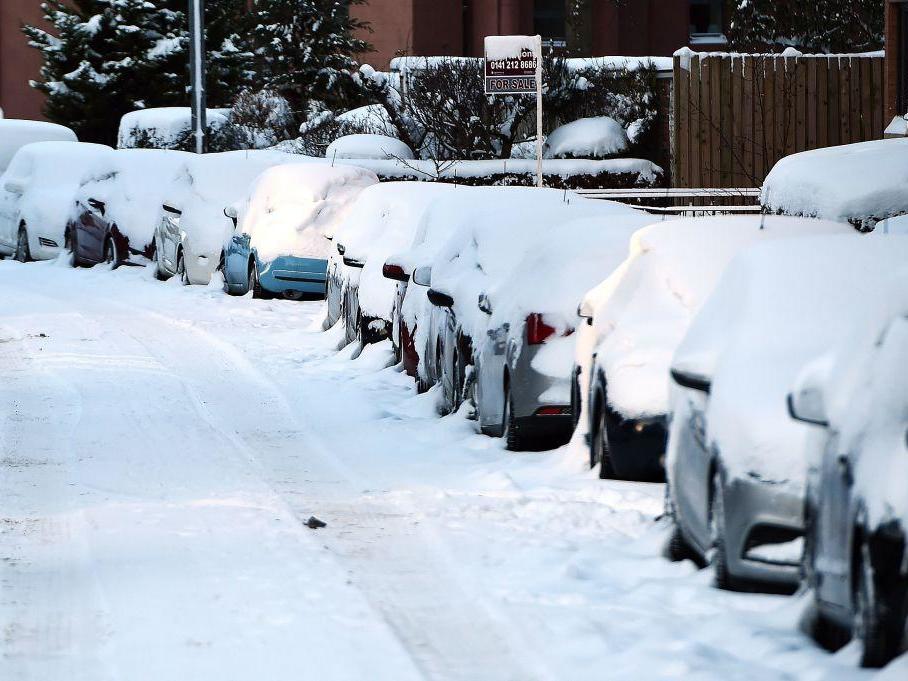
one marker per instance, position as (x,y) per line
(512,64)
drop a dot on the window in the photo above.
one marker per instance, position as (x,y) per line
(706,17)
(550,19)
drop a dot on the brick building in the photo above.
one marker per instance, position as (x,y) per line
(18,62)
(458,27)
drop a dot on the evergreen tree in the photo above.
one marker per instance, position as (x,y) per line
(821,26)
(306,49)
(104,58)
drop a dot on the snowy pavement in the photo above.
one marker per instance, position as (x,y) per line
(162,447)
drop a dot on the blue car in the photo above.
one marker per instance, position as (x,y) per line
(287,276)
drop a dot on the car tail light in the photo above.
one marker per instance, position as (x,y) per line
(553,411)
(396,272)
(538,331)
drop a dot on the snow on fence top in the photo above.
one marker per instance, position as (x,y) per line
(407,64)
(685,54)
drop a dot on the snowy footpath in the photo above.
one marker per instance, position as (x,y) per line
(162,447)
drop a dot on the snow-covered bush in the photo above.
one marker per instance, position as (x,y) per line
(317,133)
(261,119)
(600,137)
(171,128)
(368,147)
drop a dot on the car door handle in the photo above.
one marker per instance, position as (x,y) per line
(844,468)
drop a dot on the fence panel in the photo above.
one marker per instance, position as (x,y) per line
(734,116)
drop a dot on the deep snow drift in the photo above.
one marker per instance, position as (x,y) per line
(161,448)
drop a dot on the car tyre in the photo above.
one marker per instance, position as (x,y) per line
(181,269)
(599,445)
(513,436)
(719,560)
(255,284)
(879,620)
(23,252)
(677,549)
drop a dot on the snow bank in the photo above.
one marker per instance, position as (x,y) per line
(50,175)
(855,182)
(135,190)
(15,134)
(293,208)
(644,309)
(384,221)
(778,305)
(166,126)
(492,230)
(368,147)
(587,138)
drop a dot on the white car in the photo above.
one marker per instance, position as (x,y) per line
(736,462)
(635,320)
(38,195)
(16,133)
(191,235)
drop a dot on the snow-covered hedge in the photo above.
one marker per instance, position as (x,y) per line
(169,128)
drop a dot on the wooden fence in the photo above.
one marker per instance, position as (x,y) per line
(734,116)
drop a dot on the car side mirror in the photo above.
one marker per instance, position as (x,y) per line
(171,210)
(440,299)
(585,312)
(341,249)
(14,187)
(422,276)
(485,305)
(808,406)
(691,381)
(231,212)
(99,206)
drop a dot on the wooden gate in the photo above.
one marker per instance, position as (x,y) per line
(734,116)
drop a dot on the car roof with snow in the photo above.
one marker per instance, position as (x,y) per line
(779,304)
(644,308)
(852,182)
(16,133)
(293,208)
(492,229)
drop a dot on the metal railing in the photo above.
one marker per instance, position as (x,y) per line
(710,201)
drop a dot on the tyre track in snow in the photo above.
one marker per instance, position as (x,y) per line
(403,568)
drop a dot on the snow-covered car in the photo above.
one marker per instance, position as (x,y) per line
(492,230)
(16,133)
(38,195)
(522,372)
(280,245)
(735,461)
(116,214)
(190,238)
(395,212)
(635,320)
(861,183)
(856,513)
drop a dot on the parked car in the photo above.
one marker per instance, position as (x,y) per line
(190,238)
(117,213)
(861,183)
(492,230)
(395,211)
(16,133)
(280,245)
(522,372)
(38,195)
(736,461)
(856,513)
(635,320)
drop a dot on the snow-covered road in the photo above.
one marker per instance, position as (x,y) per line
(162,447)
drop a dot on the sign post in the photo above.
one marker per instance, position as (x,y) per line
(197,72)
(514,67)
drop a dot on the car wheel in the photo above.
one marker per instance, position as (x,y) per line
(222,268)
(110,252)
(254,282)
(513,437)
(70,244)
(879,619)
(677,549)
(599,446)
(23,253)
(719,559)
(181,269)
